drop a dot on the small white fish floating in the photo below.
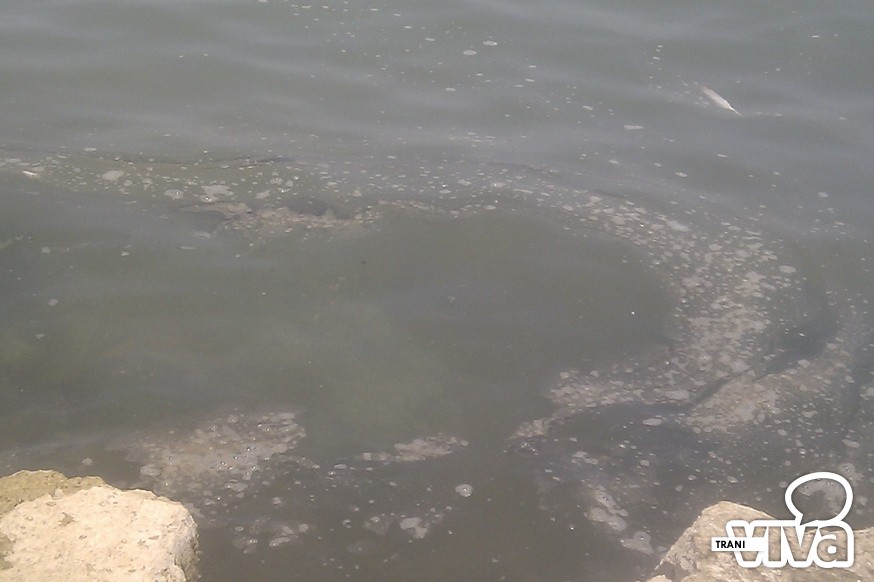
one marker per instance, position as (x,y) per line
(718,99)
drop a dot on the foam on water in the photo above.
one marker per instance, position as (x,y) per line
(763,361)
(217,461)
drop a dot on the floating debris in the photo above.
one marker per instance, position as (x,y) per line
(464,490)
(718,99)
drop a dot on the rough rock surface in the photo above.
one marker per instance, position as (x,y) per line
(28,485)
(690,558)
(54,528)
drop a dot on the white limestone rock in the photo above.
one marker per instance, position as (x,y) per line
(98,533)
(690,558)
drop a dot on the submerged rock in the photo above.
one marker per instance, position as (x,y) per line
(80,529)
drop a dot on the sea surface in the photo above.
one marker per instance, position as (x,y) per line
(461,290)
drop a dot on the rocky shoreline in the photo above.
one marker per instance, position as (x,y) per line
(81,529)
(690,558)
(58,528)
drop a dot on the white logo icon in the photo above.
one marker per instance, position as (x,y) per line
(774,543)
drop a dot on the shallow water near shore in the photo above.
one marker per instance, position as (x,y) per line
(419,322)
(469,291)
(365,384)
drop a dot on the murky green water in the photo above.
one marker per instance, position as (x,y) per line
(475,291)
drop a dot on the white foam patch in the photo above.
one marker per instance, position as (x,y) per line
(112,175)
(419,449)
(218,460)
